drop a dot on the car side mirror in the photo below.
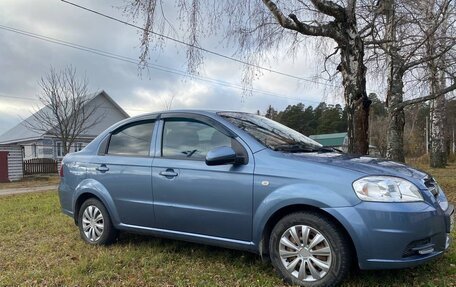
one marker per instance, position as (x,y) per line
(221,155)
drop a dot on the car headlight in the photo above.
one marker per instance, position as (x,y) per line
(386,189)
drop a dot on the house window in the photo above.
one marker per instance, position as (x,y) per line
(77,147)
(59,149)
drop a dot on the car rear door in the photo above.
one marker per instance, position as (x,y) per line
(124,167)
(192,197)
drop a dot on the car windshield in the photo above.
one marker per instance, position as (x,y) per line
(272,134)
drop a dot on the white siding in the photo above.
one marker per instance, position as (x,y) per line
(15,171)
(29,149)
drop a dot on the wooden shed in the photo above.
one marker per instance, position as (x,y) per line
(10,163)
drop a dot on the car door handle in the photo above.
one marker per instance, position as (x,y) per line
(169,173)
(102,168)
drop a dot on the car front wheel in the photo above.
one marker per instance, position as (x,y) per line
(308,249)
(95,224)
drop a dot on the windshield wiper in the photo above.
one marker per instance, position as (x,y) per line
(301,148)
(294,148)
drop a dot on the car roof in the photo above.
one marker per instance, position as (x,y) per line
(93,146)
(193,111)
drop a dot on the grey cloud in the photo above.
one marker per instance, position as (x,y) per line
(24,60)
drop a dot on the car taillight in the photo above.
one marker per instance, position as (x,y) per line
(61,170)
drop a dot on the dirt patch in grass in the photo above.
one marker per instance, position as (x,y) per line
(41,246)
(32,181)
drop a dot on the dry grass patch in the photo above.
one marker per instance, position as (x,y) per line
(32,181)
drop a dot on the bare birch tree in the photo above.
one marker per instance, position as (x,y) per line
(437,153)
(403,30)
(437,81)
(65,114)
(261,27)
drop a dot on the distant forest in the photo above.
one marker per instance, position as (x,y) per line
(326,118)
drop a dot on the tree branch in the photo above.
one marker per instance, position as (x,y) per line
(283,20)
(324,30)
(292,22)
(428,97)
(330,8)
(429,58)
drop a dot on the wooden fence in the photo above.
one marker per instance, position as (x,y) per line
(40,165)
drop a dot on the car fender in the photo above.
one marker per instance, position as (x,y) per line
(295,194)
(95,188)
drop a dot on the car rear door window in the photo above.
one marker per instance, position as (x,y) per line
(133,140)
(188,139)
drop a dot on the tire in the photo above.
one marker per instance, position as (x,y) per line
(95,224)
(326,263)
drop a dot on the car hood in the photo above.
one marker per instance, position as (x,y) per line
(363,164)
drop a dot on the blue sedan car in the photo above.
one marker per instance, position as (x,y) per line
(243,181)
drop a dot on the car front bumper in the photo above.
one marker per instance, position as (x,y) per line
(396,235)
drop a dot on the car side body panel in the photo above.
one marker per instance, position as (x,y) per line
(76,171)
(129,184)
(296,184)
(94,188)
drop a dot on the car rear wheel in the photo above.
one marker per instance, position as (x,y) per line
(307,249)
(95,224)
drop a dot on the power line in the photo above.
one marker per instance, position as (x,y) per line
(19,98)
(194,46)
(37,100)
(133,61)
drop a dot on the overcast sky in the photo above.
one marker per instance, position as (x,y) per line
(24,59)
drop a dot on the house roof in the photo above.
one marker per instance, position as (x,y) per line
(21,133)
(330,140)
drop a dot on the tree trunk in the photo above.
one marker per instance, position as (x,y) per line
(396,115)
(354,80)
(65,147)
(437,155)
(395,136)
(343,29)
(395,93)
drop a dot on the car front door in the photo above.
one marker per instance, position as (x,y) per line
(124,166)
(192,197)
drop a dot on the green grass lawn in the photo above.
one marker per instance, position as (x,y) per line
(40,246)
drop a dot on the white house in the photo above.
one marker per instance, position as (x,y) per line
(43,145)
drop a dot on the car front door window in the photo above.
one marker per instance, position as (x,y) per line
(186,139)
